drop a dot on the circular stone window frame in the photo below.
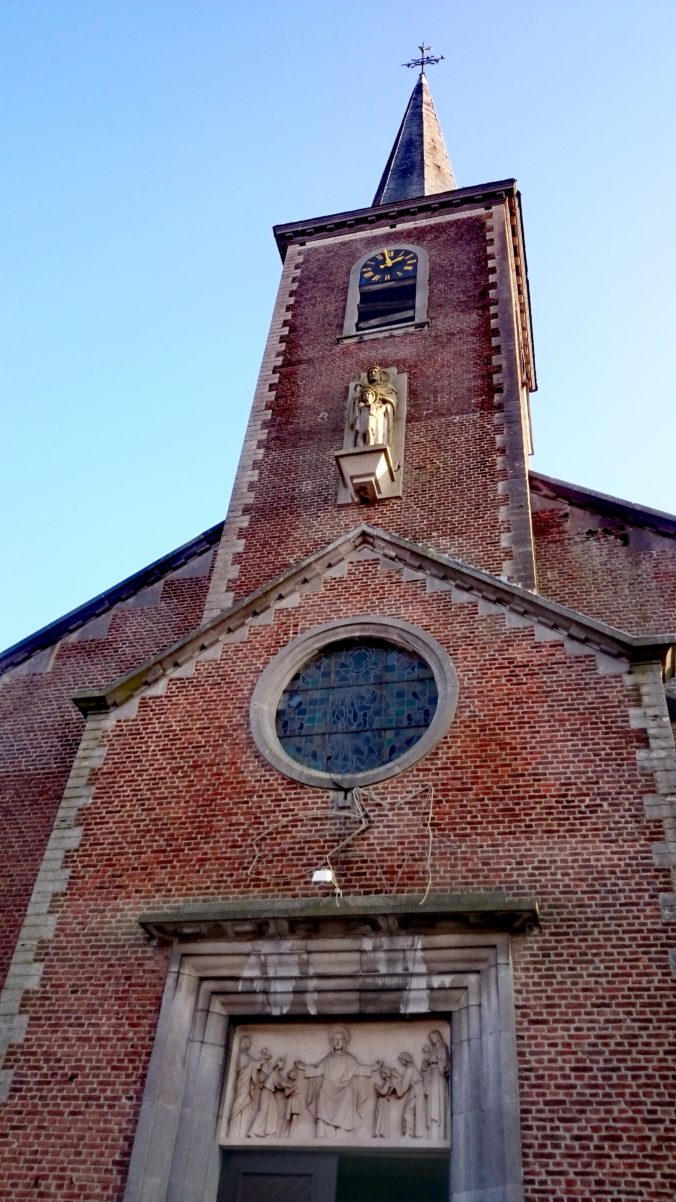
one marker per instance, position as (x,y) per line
(281,670)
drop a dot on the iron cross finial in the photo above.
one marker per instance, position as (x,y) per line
(426,59)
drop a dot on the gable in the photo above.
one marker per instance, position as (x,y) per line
(41,728)
(170,802)
(90,621)
(464,584)
(607,557)
(539,718)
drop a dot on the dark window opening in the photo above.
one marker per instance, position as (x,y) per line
(400,1178)
(387,288)
(330,1177)
(389,305)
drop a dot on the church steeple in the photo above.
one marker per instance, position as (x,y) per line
(418,164)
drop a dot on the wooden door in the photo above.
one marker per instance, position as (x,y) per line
(278,1177)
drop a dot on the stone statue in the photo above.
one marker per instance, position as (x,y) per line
(337,1091)
(425,1063)
(373,408)
(291,1102)
(436,1074)
(408,1084)
(383,1085)
(270,1115)
(302,1085)
(247,1085)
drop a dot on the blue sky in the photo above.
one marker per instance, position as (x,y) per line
(148,146)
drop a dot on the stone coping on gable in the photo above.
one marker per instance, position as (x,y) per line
(105,601)
(587,498)
(446,572)
(309,917)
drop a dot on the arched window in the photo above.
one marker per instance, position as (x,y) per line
(387,283)
(388,288)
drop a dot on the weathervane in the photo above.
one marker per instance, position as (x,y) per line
(426,59)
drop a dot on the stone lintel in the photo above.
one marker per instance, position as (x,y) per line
(266,918)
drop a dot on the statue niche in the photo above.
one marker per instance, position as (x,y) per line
(371,460)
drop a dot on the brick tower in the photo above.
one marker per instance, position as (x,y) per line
(340,840)
(454,319)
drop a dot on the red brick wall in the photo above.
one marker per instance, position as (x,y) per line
(536,791)
(606,568)
(41,728)
(450,477)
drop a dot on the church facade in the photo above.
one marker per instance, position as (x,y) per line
(340,842)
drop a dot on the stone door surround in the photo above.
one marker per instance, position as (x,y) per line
(332,966)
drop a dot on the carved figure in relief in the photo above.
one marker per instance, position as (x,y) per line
(382,1083)
(337,1090)
(247,1085)
(373,408)
(292,1102)
(425,1074)
(340,1094)
(408,1084)
(270,1115)
(436,1071)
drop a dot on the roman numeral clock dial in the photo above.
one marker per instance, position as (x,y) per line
(388,265)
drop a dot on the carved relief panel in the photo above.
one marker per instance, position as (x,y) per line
(382,1084)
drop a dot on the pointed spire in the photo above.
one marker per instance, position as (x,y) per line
(418,164)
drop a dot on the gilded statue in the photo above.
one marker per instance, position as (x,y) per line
(372,410)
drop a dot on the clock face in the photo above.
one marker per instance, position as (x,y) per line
(388,265)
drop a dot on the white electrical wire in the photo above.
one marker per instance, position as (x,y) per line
(360,798)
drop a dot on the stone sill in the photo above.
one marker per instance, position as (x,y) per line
(383,332)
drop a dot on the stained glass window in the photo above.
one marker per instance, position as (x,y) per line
(356,705)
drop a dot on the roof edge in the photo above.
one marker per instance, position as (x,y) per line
(479,196)
(287,232)
(597,635)
(46,636)
(549,486)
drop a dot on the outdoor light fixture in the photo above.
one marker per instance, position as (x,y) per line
(323,876)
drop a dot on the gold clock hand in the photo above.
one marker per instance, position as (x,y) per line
(388,260)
